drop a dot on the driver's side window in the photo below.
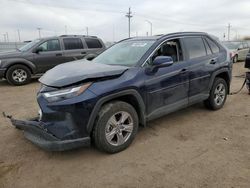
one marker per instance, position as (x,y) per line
(170,48)
(50,45)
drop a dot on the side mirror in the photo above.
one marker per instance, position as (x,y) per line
(90,57)
(38,49)
(163,61)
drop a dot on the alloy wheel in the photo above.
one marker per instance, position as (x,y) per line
(219,94)
(19,75)
(119,128)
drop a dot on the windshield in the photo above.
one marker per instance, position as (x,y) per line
(126,53)
(230,45)
(29,45)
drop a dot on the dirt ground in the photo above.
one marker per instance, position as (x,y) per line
(192,148)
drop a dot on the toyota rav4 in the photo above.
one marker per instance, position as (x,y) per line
(103,101)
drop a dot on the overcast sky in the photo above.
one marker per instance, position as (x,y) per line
(106,18)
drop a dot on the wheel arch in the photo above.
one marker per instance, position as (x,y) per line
(26,63)
(224,74)
(130,96)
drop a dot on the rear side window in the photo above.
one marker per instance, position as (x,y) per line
(72,43)
(209,51)
(93,43)
(215,49)
(195,47)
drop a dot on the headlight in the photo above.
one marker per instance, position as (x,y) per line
(65,93)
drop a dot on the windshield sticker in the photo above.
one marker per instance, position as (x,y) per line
(139,44)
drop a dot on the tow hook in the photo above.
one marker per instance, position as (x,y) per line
(7,116)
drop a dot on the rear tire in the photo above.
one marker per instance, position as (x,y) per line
(218,95)
(18,75)
(115,127)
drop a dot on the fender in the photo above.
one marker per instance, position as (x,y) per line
(101,101)
(223,70)
(14,61)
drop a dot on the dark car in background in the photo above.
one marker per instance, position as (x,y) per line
(238,50)
(40,55)
(134,81)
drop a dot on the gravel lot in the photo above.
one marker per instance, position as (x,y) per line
(192,148)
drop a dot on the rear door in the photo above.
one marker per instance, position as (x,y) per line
(202,63)
(245,50)
(50,56)
(74,49)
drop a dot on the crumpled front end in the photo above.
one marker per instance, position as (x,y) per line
(36,132)
(62,125)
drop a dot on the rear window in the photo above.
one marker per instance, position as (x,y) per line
(93,43)
(195,47)
(215,49)
(72,43)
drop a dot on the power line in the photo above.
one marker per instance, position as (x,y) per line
(129,16)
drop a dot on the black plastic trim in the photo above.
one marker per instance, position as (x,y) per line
(113,97)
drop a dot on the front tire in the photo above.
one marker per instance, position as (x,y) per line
(218,95)
(18,75)
(115,127)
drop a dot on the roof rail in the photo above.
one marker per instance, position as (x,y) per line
(77,36)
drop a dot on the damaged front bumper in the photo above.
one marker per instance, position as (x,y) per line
(36,132)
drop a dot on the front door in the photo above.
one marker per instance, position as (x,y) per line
(167,87)
(49,56)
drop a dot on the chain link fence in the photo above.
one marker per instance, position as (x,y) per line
(8,46)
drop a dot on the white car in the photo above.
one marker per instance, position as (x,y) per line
(238,50)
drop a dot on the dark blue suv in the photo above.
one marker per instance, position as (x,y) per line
(136,80)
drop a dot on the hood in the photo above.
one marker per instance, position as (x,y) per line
(77,71)
(233,50)
(10,54)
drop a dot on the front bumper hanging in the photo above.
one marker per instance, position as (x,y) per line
(36,132)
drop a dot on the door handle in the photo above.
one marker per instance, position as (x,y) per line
(58,54)
(213,61)
(183,70)
(83,53)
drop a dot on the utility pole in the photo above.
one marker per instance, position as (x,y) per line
(113,33)
(151,27)
(7,36)
(228,31)
(4,36)
(129,16)
(66,29)
(19,37)
(87,31)
(39,32)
